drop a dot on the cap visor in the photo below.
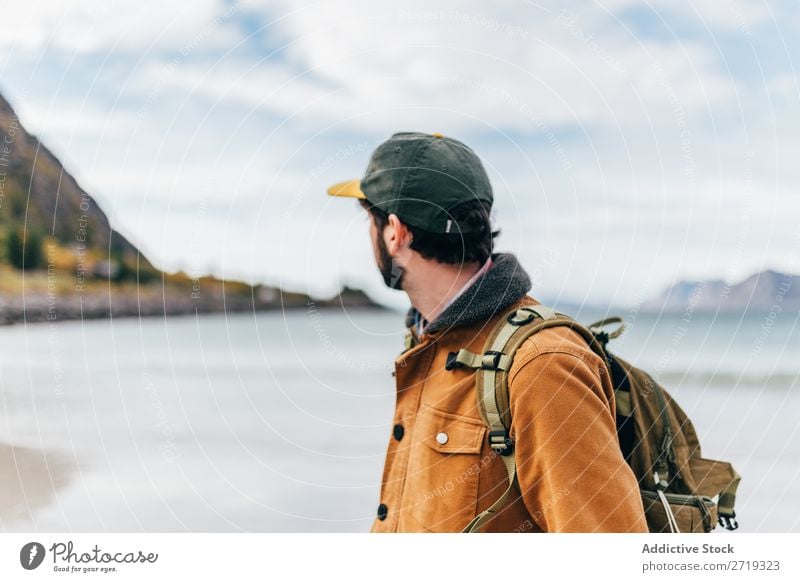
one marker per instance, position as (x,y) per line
(349,189)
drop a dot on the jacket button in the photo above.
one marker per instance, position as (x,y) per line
(441,438)
(382,511)
(398,431)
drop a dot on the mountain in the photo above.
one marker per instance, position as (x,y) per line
(759,293)
(60,258)
(349,298)
(41,199)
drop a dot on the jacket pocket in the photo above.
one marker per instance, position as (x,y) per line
(441,491)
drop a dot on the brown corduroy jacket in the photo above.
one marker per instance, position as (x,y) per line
(440,471)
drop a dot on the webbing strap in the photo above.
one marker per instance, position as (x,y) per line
(485,515)
(597,326)
(408,340)
(727,501)
(666,451)
(470,359)
(487,400)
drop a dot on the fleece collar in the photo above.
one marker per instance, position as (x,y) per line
(503,284)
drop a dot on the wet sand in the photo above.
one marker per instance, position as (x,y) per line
(29,480)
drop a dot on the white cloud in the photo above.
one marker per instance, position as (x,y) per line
(374,69)
(75,120)
(731,14)
(97,25)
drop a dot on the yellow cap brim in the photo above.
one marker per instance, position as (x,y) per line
(349,189)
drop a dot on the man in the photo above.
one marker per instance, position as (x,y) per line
(429,200)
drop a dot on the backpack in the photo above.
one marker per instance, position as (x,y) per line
(681,491)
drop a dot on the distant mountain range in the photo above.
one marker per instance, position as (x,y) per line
(61,259)
(763,292)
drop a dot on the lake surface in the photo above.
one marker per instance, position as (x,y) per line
(280,421)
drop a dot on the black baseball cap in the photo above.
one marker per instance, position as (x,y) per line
(421,177)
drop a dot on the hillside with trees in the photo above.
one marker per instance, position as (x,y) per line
(60,258)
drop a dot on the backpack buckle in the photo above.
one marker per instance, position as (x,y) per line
(728,521)
(520,317)
(491,360)
(452,362)
(500,442)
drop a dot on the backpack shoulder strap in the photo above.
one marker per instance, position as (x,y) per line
(491,384)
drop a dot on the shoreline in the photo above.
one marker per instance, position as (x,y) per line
(155,302)
(29,480)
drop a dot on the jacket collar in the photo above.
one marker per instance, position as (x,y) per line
(503,284)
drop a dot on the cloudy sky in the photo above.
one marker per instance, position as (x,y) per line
(630,143)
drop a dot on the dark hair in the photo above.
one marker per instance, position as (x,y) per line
(451,248)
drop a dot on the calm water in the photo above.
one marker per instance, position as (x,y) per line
(279,422)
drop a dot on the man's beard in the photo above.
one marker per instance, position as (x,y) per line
(391,272)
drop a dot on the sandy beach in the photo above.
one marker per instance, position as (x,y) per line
(30,480)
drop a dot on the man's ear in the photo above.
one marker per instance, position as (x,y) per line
(396,235)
